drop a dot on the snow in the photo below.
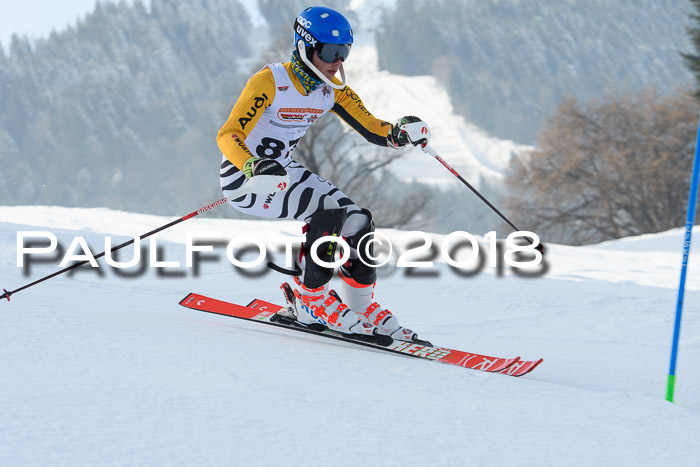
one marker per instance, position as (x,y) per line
(466,147)
(110,370)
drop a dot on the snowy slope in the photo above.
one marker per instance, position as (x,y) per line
(111,371)
(470,150)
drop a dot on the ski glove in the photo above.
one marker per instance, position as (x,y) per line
(257,166)
(407,130)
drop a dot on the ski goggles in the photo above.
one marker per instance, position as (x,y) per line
(330,53)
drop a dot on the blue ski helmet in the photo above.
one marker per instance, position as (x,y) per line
(324,30)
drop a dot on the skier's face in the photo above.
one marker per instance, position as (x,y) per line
(328,69)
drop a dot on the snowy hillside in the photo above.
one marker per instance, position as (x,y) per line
(110,370)
(467,148)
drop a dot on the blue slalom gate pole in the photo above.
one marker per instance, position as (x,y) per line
(690,221)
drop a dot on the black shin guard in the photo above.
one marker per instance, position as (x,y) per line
(362,269)
(322,223)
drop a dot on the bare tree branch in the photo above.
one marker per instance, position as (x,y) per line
(608,168)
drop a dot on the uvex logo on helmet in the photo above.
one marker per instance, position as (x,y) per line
(306,35)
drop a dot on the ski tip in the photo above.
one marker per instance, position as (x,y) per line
(506,365)
(536,364)
(530,368)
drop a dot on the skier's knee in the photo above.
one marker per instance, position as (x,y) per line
(358,221)
(360,269)
(323,223)
(329,203)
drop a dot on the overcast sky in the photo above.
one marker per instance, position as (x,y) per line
(36,18)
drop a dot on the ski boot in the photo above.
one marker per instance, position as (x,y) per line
(311,303)
(360,299)
(321,309)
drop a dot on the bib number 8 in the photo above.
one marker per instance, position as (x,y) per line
(270,148)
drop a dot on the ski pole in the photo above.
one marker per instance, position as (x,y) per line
(428,150)
(129,242)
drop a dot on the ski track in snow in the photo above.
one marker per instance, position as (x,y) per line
(106,370)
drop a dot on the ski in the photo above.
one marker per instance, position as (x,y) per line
(264,312)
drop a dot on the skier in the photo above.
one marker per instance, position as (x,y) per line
(258,176)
